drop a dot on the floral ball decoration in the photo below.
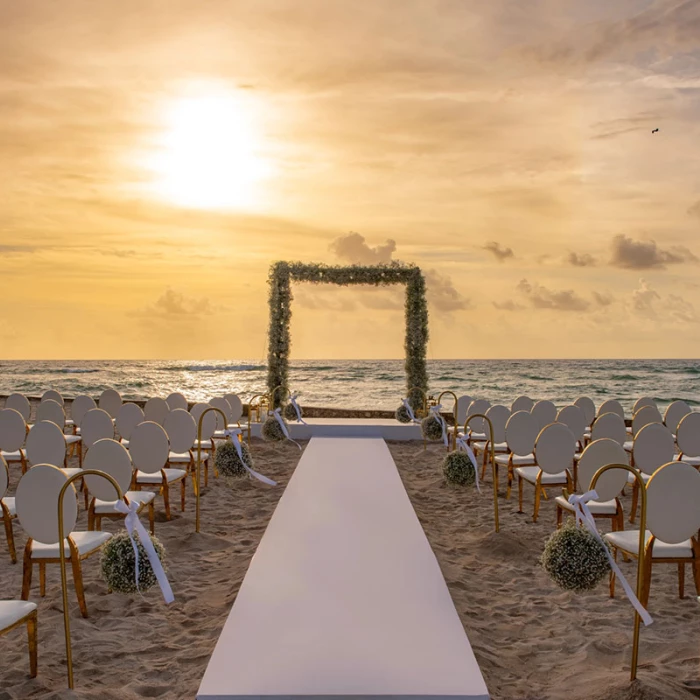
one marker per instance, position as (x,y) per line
(431,427)
(290,414)
(575,559)
(402,414)
(272,431)
(227,461)
(458,469)
(118,564)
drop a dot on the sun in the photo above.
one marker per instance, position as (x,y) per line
(208,154)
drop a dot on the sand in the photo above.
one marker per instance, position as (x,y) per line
(531,640)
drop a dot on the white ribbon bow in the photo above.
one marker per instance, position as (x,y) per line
(411,415)
(277,413)
(132,523)
(462,445)
(583,515)
(233,434)
(436,410)
(293,401)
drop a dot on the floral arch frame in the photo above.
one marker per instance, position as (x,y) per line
(280,279)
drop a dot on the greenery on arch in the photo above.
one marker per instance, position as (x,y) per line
(281,276)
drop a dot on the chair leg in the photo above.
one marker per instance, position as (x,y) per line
(612,575)
(635,497)
(520,494)
(538,492)
(27,573)
(42,578)
(183,483)
(10,536)
(166,499)
(206,473)
(681,580)
(696,574)
(78,580)
(152,517)
(80,454)
(32,640)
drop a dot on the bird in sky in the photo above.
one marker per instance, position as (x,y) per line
(653,131)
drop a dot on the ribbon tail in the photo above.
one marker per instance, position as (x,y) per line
(259,477)
(461,444)
(156,565)
(284,428)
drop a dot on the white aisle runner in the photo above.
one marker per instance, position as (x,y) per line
(344,596)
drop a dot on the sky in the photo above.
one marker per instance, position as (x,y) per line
(157,156)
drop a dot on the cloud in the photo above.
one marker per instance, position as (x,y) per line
(174,305)
(581,260)
(646,255)
(353,248)
(501,254)
(694,210)
(509,305)
(10,249)
(442,294)
(643,299)
(681,310)
(560,300)
(603,299)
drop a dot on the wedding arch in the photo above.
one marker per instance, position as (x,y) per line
(282,274)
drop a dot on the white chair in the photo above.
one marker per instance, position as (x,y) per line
(688,439)
(585,403)
(477,427)
(176,400)
(642,402)
(149,449)
(8,510)
(96,425)
(609,425)
(521,433)
(45,445)
(522,403)
(52,395)
(208,426)
(611,406)
(155,410)
(498,415)
(574,417)
(130,415)
(653,447)
(21,404)
(15,613)
(13,433)
(673,521)
(51,410)
(675,413)
(643,417)
(236,414)
(459,413)
(112,458)
(110,400)
(544,412)
(79,407)
(37,511)
(222,425)
(597,454)
(554,454)
(181,430)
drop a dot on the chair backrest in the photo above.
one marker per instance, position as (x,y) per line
(155,410)
(641,403)
(498,415)
(644,416)
(209,422)
(688,435)
(223,405)
(177,400)
(522,403)
(13,430)
(574,417)
(111,457)
(234,401)
(653,447)
(585,403)
(4,477)
(597,454)
(554,448)
(20,403)
(675,412)
(521,432)
(53,395)
(96,425)
(673,494)
(129,416)
(544,412)
(36,501)
(80,406)
(609,425)
(46,444)
(478,425)
(149,447)
(110,400)
(53,411)
(181,430)
(611,406)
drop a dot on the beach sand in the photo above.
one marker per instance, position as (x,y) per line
(531,640)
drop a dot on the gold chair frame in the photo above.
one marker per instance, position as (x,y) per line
(454,410)
(31,621)
(198,469)
(494,469)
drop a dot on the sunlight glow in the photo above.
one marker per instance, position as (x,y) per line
(208,155)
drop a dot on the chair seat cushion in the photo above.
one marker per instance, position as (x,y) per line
(182,457)
(628,541)
(628,445)
(234,426)
(518,460)
(205,444)
(596,507)
(125,443)
(108,507)
(529,474)
(9,503)
(86,542)
(631,479)
(693,461)
(170,476)
(498,447)
(71,471)
(72,439)
(12,611)
(13,456)
(477,436)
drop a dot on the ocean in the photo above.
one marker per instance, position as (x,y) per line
(366,384)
